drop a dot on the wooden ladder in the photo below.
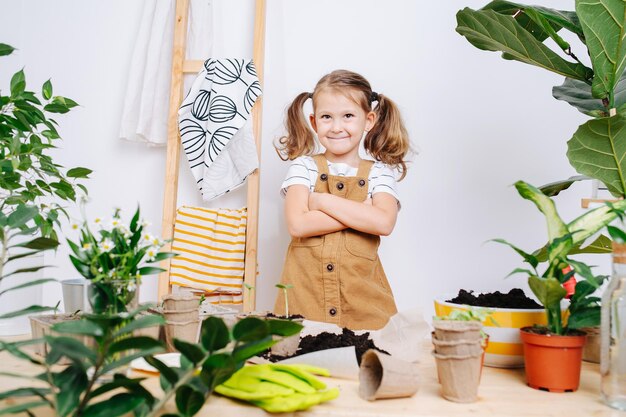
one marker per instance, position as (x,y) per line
(180,67)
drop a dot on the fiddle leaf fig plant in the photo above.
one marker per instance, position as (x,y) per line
(519,31)
(31,183)
(563,240)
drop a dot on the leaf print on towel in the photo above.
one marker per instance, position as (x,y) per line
(252,93)
(219,139)
(228,71)
(200,107)
(223,109)
(251,69)
(193,138)
(215,125)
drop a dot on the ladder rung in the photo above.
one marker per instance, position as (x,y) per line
(192,66)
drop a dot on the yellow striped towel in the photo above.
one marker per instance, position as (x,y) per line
(211,244)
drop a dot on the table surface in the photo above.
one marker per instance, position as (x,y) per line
(502,392)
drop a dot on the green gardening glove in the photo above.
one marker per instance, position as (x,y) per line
(278,388)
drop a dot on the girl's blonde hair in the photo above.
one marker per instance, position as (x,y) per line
(388,141)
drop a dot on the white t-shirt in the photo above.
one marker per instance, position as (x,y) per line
(303,171)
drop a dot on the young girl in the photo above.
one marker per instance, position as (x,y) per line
(337,205)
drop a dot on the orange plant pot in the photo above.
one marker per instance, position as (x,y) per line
(552,362)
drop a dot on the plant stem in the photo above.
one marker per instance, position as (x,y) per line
(554,319)
(4,253)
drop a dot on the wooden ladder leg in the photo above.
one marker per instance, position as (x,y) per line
(173,139)
(252,228)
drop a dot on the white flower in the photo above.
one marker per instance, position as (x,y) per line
(97,221)
(145,223)
(116,223)
(106,245)
(151,254)
(86,247)
(156,242)
(146,239)
(75,226)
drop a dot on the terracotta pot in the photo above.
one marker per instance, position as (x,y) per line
(552,362)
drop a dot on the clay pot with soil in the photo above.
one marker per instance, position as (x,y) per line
(553,362)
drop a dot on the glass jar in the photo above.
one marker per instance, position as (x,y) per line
(613,333)
(114,296)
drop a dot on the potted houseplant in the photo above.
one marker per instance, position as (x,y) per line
(114,256)
(559,344)
(32,190)
(519,32)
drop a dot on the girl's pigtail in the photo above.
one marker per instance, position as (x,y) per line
(299,139)
(388,141)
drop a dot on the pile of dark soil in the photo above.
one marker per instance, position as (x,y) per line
(513,299)
(327,340)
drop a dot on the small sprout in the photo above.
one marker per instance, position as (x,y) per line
(202,298)
(285,287)
(471,314)
(56,308)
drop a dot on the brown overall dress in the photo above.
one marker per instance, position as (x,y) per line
(338,278)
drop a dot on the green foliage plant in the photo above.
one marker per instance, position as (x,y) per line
(520,31)
(564,240)
(73,391)
(111,252)
(31,183)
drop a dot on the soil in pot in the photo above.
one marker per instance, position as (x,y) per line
(515,298)
(325,340)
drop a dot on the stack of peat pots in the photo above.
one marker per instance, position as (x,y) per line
(182,318)
(458,353)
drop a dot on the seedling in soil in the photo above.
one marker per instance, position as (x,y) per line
(285,287)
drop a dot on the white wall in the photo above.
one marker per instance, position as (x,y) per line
(479,123)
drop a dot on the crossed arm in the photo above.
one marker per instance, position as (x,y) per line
(313,214)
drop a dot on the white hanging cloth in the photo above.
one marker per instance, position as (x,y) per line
(146,103)
(215,125)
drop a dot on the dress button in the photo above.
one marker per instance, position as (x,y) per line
(323,177)
(330,267)
(340,185)
(332,311)
(361,183)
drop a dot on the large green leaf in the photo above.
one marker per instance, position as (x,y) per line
(214,334)
(547,290)
(559,18)
(117,405)
(578,94)
(603,24)
(585,225)
(598,150)
(491,31)
(554,188)
(600,245)
(556,227)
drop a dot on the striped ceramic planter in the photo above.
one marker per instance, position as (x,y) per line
(505,349)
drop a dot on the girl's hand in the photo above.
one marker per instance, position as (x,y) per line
(368,201)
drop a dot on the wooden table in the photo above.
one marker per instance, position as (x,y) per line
(502,392)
